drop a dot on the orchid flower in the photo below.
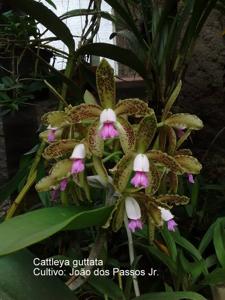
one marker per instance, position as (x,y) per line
(141,168)
(133,212)
(51,133)
(190,178)
(77,157)
(168,217)
(108,119)
(60,187)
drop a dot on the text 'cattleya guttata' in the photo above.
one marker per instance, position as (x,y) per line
(123,147)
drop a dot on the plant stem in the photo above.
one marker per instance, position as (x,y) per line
(30,180)
(131,255)
(21,195)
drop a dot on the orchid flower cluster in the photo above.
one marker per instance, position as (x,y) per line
(148,161)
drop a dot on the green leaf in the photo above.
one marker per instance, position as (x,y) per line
(171,296)
(219,241)
(47,18)
(170,243)
(124,56)
(106,86)
(87,12)
(106,287)
(172,98)
(33,227)
(207,238)
(17,281)
(146,132)
(184,120)
(215,277)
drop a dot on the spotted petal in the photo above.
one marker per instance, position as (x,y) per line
(165,160)
(84,112)
(172,140)
(106,84)
(59,149)
(133,106)
(171,200)
(145,133)
(118,216)
(61,169)
(184,120)
(189,164)
(95,142)
(126,134)
(123,171)
(154,179)
(55,119)
(100,169)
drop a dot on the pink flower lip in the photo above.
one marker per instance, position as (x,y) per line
(51,135)
(77,166)
(108,131)
(180,132)
(191,178)
(54,194)
(133,225)
(171,225)
(140,179)
(63,184)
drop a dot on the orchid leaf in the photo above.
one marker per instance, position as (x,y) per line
(126,134)
(46,184)
(184,120)
(95,142)
(83,112)
(61,169)
(59,149)
(106,84)
(55,118)
(34,226)
(135,107)
(165,160)
(123,171)
(100,169)
(146,132)
(154,179)
(189,164)
(172,199)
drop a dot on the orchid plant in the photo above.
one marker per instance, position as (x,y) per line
(126,147)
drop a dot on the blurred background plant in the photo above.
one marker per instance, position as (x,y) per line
(160,37)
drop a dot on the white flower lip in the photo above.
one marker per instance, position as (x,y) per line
(51,128)
(107,115)
(141,163)
(79,152)
(166,214)
(132,208)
